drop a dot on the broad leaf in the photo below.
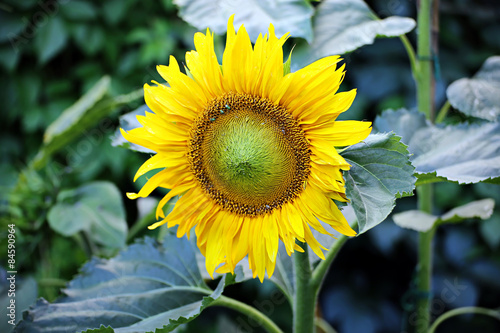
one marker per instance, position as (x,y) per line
(96,208)
(480,95)
(292,16)
(380,172)
(465,153)
(422,222)
(342,26)
(71,116)
(129,121)
(89,110)
(402,122)
(147,287)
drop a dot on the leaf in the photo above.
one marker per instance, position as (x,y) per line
(147,287)
(380,172)
(415,220)
(481,209)
(422,222)
(101,329)
(71,116)
(292,16)
(78,10)
(96,208)
(464,153)
(129,121)
(479,96)
(86,112)
(89,38)
(342,26)
(402,122)
(50,38)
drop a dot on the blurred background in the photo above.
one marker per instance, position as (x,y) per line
(52,52)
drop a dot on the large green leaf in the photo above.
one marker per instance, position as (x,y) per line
(148,287)
(480,95)
(292,16)
(342,26)
(380,172)
(464,153)
(96,208)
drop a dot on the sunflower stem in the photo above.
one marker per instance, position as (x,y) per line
(427,49)
(305,294)
(320,271)
(252,313)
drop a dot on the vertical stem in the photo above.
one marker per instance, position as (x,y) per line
(424,75)
(427,20)
(304,303)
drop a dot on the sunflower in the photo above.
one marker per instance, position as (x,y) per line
(248,148)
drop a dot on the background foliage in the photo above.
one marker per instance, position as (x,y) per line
(52,53)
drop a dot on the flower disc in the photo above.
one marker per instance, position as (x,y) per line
(248,154)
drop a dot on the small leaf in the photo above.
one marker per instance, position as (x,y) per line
(50,38)
(481,209)
(147,287)
(380,172)
(422,222)
(415,220)
(129,121)
(480,95)
(96,208)
(292,16)
(342,26)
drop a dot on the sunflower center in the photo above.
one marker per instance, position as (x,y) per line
(248,154)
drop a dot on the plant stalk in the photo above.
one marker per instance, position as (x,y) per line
(305,296)
(427,49)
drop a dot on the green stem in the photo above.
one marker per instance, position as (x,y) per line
(141,224)
(304,303)
(425,95)
(470,309)
(424,75)
(320,271)
(410,51)
(442,113)
(251,312)
(52,282)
